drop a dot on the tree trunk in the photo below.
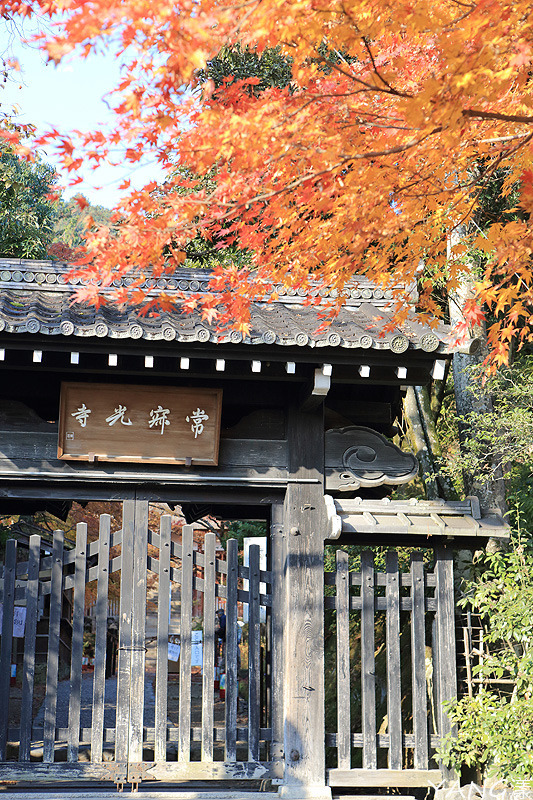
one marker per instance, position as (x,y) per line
(490,492)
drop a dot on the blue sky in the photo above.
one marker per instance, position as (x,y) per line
(68,96)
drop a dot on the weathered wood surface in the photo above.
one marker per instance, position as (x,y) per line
(254,654)
(368,663)
(140,543)
(232,678)
(384,777)
(37,446)
(342,605)
(356,456)
(100,639)
(28,666)
(59,771)
(10,566)
(383,740)
(394,688)
(77,642)
(136,435)
(219,735)
(130,737)
(52,663)
(446,660)
(418,605)
(163,612)
(184,746)
(305,523)
(208,665)
(278,617)
(418,660)
(125,633)
(212,770)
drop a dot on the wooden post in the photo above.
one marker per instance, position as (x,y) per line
(446,671)
(305,526)
(277,567)
(135,746)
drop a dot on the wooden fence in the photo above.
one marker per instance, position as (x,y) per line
(130,742)
(397,630)
(390,660)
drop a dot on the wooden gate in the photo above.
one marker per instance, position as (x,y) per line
(124,728)
(393,654)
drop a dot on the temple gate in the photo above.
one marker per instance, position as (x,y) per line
(286,426)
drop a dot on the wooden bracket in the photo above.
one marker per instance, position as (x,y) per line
(315,393)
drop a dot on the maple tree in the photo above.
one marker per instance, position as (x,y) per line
(396,117)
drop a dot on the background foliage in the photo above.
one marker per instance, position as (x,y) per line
(27,214)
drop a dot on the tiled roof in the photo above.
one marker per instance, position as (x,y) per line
(416,517)
(35,298)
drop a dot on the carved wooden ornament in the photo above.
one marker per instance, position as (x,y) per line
(357,456)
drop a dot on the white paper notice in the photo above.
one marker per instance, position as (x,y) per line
(196,649)
(173,651)
(19,620)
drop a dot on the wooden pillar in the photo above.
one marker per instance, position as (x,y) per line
(305,526)
(446,658)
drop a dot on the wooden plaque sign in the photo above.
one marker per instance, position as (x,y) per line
(151,424)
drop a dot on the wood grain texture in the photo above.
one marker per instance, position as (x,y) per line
(254,653)
(78,619)
(125,632)
(100,638)
(10,567)
(208,667)
(52,662)
(384,777)
(28,666)
(418,659)
(232,681)
(305,524)
(134,436)
(278,617)
(446,662)
(394,689)
(138,628)
(163,611)
(184,745)
(368,662)
(342,605)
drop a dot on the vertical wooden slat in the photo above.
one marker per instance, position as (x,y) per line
(163,611)
(342,606)
(100,639)
(30,636)
(77,643)
(418,659)
(394,688)
(138,628)
(125,633)
(277,546)
(446,672)
(184,741)
(254,654)
(368,665)
(52,663)
(232,681)
(10,568)
(208,709)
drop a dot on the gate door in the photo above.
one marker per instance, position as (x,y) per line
(142,723)
(394,659)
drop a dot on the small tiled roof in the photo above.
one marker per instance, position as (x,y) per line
(35,298)
(451,519)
